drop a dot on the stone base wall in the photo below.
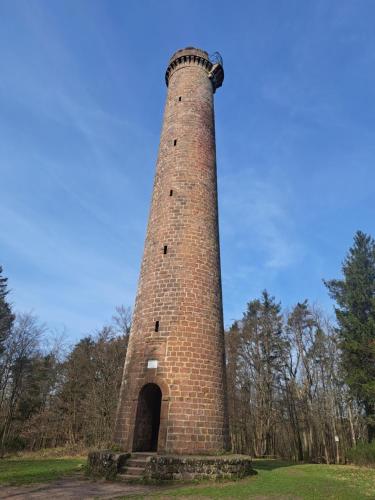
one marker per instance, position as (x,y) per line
(164,467)
(105,464)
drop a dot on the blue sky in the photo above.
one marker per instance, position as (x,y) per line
(81,96)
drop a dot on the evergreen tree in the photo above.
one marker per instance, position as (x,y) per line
(6,316)
(262,362)
(355,313)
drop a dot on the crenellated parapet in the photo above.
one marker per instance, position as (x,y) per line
(192,56)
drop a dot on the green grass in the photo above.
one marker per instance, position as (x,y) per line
(287,481)
(18,471)
(275,480)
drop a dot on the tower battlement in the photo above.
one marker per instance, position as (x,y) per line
(193,56)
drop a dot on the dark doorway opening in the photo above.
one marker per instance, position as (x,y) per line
(147,421)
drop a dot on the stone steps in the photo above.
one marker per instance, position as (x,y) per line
(134,471)
(143,454)
(135,467)
(127,477)
(135,462)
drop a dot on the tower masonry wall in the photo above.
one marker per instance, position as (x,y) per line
(178,318)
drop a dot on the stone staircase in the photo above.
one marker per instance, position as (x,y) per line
(134,467)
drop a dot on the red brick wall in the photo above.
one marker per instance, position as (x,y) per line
(182,288)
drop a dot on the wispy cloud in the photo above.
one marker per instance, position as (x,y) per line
(81,94)
(60,278)
(256,216)
(69,237)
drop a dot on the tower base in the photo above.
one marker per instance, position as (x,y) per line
(185,467)
(154,467)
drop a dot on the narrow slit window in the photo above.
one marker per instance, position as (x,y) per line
(165,249)
(171,192)
(175,142)
(180,98)
(156,326)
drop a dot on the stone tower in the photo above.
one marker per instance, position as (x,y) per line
(173,395)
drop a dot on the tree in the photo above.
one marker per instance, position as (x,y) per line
(355,313)
(232,350)
(20,348)
(261,363)
(6,316)
(286,392)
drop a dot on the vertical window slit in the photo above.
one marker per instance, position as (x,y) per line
(175,142)
(156,326)
(165,249)
(179,98)
(171,192)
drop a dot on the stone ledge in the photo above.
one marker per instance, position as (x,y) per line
(105,463)
(177,467)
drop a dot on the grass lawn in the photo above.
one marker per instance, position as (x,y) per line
(283,480)
(275,480)
(17,471)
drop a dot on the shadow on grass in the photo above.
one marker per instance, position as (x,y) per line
(267,464)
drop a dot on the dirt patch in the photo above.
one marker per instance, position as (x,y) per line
(76,489)
(256,497)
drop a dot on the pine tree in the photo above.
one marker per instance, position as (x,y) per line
(6,316)
(355,313)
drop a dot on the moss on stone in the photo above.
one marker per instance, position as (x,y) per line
(105,463)
(173,467)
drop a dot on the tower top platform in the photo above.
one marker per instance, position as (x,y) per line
(193,55)
(189,51)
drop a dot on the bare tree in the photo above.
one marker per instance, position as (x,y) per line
(19,347)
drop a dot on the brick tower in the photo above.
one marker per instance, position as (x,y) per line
(173,395)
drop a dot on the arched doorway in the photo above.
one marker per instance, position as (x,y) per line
(147,421)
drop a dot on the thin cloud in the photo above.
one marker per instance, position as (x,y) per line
(255,214)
